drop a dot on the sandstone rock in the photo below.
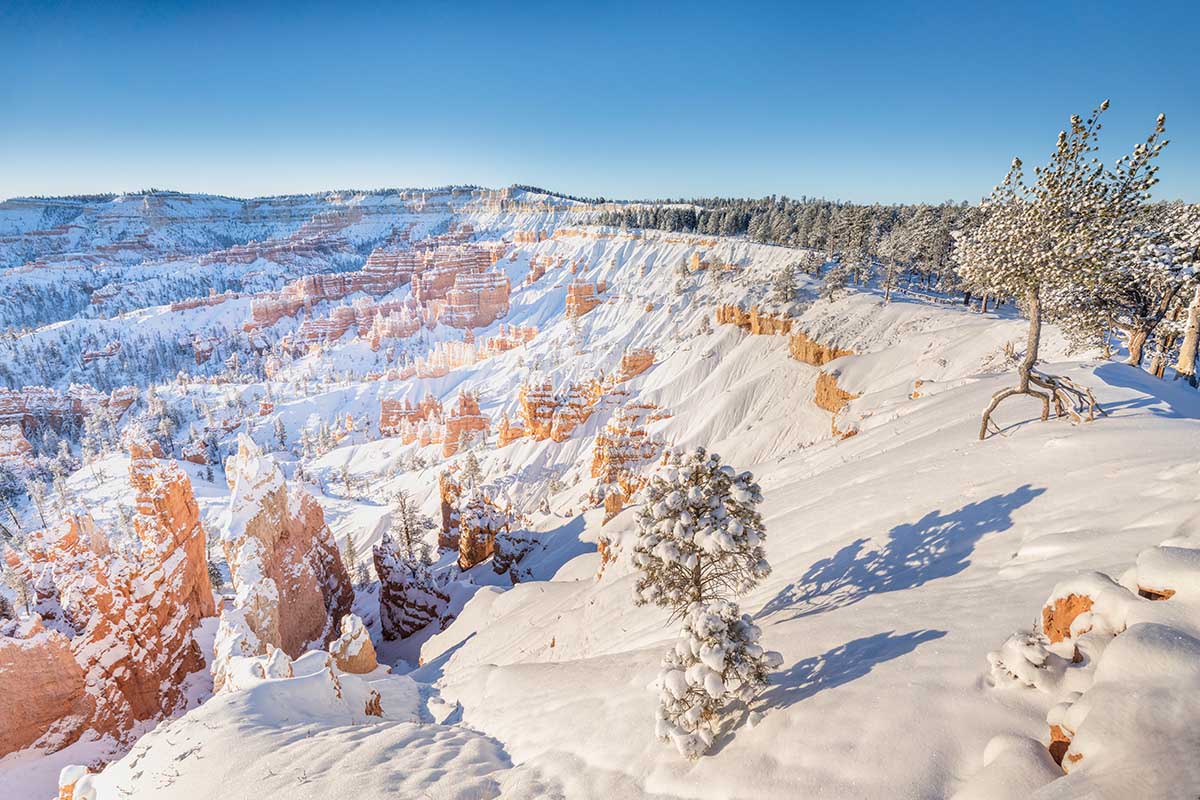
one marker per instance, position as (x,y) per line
(352,651)
(753,321)
(464,420)
(621,448)
(409,598)
(290,582)
(633,363)
(15,450)
(805,349)
(128,620)
(582,298)
(1058,615)
(480,519)
(42,687)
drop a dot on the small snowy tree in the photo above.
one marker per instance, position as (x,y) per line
(783,287)
(472,473)
(409,527)
(699,535)
(280,433)
(716,660)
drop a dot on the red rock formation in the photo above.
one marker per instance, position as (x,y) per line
(829,396)
(480,520)
(507,432)
(582,298)
(27,407)
(15,449)
(112,349)
(1058,615)
(538,405)
(754,321)
(353,651)
(574,409)
(620,450)
(393,414)
(449,492)
(633,363)
(132,617)
(42,687)
(810,352)
(464,419)
(213,299)
(476,301)
(291,585)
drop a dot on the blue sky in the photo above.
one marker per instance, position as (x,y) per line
(864,102)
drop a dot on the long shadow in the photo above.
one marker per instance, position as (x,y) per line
(936,546)
(842,664)
(1164,398)
(839,666)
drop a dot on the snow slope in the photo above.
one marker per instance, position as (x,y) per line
(901,556)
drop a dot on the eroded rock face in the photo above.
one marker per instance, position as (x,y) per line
(291,586)
(583,297)
(127,616)
(621,448)
(754,321)
(480,520)
(812,352)
(15,449)
(1058,615)
(42,690)
(409,599)
(464,420)
(352,651)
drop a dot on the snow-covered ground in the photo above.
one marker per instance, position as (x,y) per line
(901,556)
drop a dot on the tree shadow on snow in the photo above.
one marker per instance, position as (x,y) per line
(839,666)
(1163,398)
(936,546)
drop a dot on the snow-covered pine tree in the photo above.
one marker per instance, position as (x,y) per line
(783,287)
(1050,245)
(472,473)
(700,536)
(716,660)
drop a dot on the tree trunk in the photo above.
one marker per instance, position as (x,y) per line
(1033,339)
(983,304)
(1137,343)
(1185,367)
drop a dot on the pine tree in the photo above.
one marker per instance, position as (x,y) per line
(350,553)
(699,535)
(1050,245)
(409,527)
(783,288)
(716,660)
(472,473)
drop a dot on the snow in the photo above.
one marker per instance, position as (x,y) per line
(900,559)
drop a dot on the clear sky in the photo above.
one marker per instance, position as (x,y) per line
(859,101)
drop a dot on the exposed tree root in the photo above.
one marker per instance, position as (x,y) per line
(1069,398)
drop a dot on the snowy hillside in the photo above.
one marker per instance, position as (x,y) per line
(902,549)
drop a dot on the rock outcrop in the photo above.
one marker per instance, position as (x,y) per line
(15,450)
(128,616)
(291,587)
(480,519)
(43,695)
(805,349)
(754,321)
(409,597)
(352,651)
(464,422)
(582,297)
(621,449)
